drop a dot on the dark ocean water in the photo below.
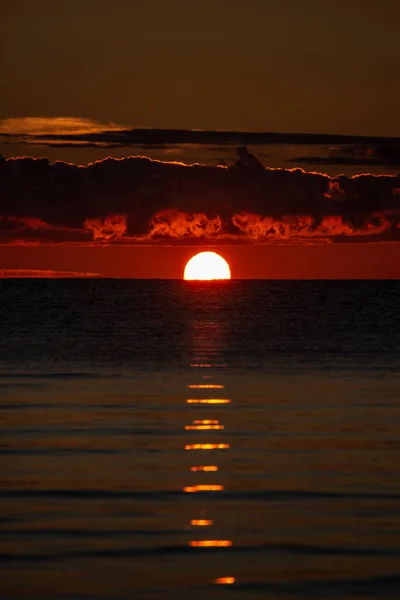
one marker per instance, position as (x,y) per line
(103,437)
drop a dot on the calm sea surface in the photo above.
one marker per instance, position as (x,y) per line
(167,439)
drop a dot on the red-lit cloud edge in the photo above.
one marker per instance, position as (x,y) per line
(137,200)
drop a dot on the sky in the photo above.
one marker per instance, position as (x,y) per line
(85,81)
(305,66)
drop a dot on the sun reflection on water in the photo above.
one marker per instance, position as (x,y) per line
(224,580)
(208,401)
(202,427)
(207,345)
(207,446)
(210,543)
(204,468)
(203,488)
(205,386)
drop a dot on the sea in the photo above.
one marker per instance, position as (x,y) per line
(218,440)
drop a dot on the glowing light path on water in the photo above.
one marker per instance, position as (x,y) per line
(203,488)
(196,428)
(207,446)
(208,401)
(204,468)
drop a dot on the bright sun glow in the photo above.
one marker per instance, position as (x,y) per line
(207,266)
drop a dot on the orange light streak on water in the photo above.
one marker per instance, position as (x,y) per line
(204,468)
(210,543)
(203,488)
(208,401)
(224,580)
(203,427)
(206,446)
(202,386)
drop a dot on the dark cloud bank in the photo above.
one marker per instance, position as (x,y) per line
(72,132)
(138,200)
(51,130)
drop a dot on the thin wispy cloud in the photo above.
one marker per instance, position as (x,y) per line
(89,130)
(43,274)
(63,126)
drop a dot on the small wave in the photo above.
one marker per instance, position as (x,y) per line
(387,586)
(10,520)
(288,495)
(87,533)
(331,550)
(61,375)
(91,431)
(100,553)
(59,451)
(130,552)
(22,406)
(88,494)
(265,495)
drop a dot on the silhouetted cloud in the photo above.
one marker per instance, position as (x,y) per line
(138,200)
(87,131)
(18,229)
(370,153)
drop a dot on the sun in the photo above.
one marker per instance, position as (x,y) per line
(206,266)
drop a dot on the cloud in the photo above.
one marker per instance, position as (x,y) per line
(258,228)
(302,227)
(335,192)
(367,152)
(27,222)
(43,273)
(23,229)
(63,126)
(176,224)
(112,227)
(81,131)
(138,200)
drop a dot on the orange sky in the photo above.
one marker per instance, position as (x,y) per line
(335,261)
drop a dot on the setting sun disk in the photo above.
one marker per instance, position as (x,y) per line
(206,266)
